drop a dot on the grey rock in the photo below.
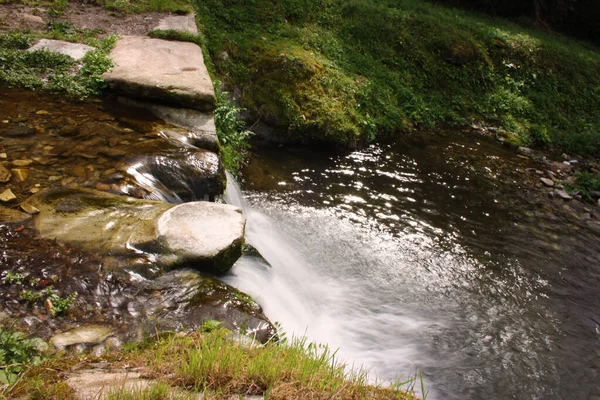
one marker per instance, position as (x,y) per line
(209,235)
(562,194)
(87,335)
(155,69)
(547,182)
(74,50)
(184,23)
(525,151)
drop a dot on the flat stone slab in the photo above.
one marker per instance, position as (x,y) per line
(184,23)
(161,70)
(74,50)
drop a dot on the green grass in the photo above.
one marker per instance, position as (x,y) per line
(348,72)
(209,362)
(58,73)
(213,363)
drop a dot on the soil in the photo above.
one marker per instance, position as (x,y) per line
(81,15)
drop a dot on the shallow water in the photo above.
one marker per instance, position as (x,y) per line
(436,254)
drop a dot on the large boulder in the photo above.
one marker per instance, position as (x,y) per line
(201,235)
(161,70)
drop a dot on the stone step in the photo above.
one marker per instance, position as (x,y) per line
(162,71)
(183,23)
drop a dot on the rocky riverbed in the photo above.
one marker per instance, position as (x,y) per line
(56,155)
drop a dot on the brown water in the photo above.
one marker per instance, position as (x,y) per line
(439,253)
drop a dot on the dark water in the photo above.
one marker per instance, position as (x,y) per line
(438,254)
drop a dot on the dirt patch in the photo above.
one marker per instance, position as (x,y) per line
(84,16)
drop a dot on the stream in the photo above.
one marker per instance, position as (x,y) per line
(435,254)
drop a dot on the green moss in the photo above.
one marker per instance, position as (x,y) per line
(347,72)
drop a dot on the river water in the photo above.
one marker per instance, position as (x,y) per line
(435,254)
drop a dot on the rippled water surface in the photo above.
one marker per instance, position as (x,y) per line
(436,254)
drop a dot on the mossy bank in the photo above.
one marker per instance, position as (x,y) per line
(350,72)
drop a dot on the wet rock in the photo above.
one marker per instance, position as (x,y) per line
(29,209)
(173,173)
(547,182)
(20,174)
(206,236)
(68,131)
(111,152)
(10,216)
(4,174)
(155,69)
(22,163)
(19,131)
(7,196)
(74,50)
(185,299)
(525,151)
(209,235)
(200,127)
(595,194)
(183,23)
(86,335)
(562,194)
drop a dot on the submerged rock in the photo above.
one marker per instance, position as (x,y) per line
(201,235)
(166,71)
(10,216)
(83,335)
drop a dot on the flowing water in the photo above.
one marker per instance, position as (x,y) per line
(435,254)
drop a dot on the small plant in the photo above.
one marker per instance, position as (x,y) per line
(586,182)
(59,305)
(31,296)
(210,325)
(231,131)
(14,278)
(17,352)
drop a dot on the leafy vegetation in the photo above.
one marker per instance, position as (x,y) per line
(586,182)
(17,352)
(52,71)
(231,131)
(350,71)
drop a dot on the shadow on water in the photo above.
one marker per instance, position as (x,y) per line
(437,253)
